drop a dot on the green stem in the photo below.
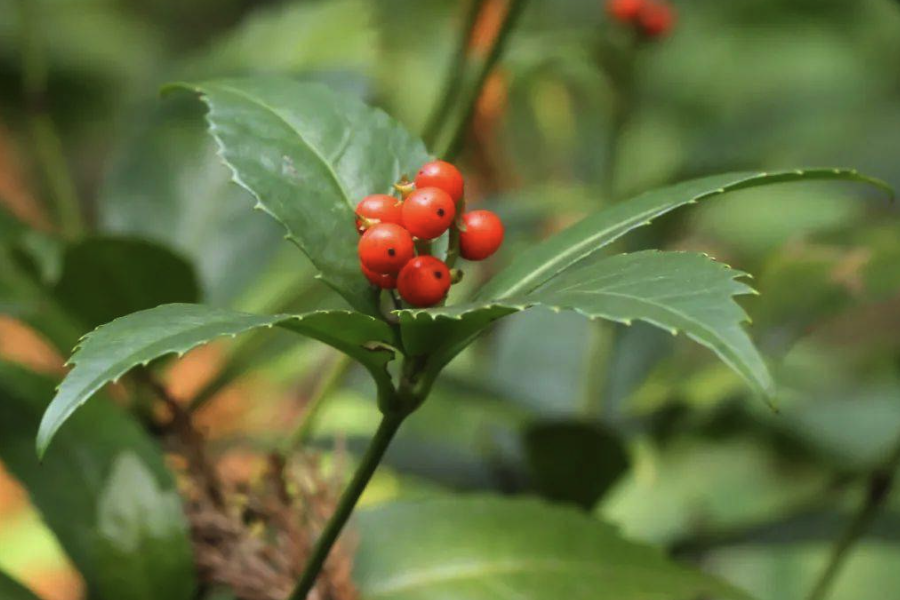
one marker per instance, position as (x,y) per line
(455,75)
(328,383)
(388,427)
(453,143)
(877,492)
(48,146)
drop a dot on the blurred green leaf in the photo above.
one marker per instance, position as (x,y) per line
(112,350)
(701,487)
(106,278)
(104,491)
(309,155)
(10,589)
(313,35)
(483,547)
(552,256)
(573,461)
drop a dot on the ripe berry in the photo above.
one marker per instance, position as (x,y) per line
(385,248)
(625,11)
(380,208)
(656,19)
(428,212)
(441,175)
(424,281)
(385,281)
(483,235)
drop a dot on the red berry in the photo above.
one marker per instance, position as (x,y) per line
(656,19)
(441,175)
(385,281)
(428,212)
(625,11)
(380,208)
(385,248)
(424,281)
(483,235)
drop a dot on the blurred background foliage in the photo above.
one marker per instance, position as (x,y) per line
(646,430)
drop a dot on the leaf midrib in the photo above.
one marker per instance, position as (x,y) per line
(318,154)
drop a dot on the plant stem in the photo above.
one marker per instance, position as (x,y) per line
(388,427)
(877,492)
(451,144)
(327,384)
(455,75)
(48,147)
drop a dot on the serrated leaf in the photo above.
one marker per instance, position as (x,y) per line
(478,548)
(112,350)
(545,260)
(106,278)
(104,492)
(309,155)
(10,589)
(672,290)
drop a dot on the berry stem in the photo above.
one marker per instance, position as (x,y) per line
(453,239)
(386,431)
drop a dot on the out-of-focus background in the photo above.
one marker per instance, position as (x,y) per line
(657,436)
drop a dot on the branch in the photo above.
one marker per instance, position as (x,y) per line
(450,148)
(877,491)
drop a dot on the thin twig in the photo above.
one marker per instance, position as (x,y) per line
(877,491)
(455,75)
(451,147)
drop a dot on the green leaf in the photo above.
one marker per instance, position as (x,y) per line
(476,548)
(308,155)
(168,185)
(112,350)
(106,278)
(10,589)
(675,291)
(104,491)
(542,262)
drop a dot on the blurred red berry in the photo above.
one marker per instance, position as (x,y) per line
(385,281)
(379,208)
(424,281)
(428,212)
(656,19)
(441,175)
(625,11)
(385,248)
(483,235)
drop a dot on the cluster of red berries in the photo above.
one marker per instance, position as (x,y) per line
(389,228)
(653,18)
